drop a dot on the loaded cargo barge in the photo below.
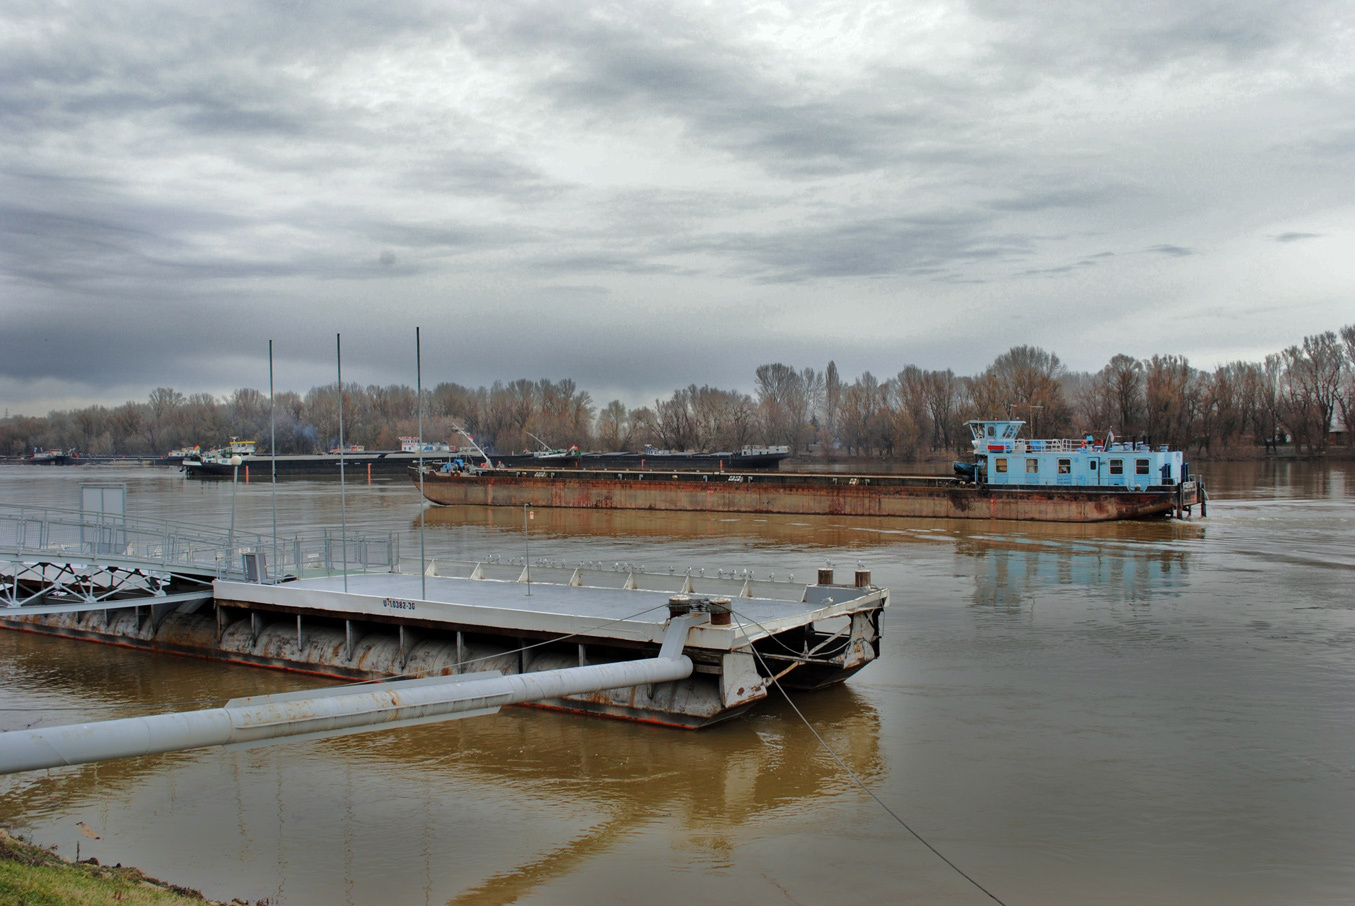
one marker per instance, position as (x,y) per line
(1051,481)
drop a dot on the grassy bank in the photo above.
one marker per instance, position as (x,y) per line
(33,876)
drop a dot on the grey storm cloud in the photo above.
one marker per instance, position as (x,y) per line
(871,247)
(545,184)
(673,68)
(1174,251)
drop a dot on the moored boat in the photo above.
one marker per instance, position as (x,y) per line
(177,456)
(54,457)
(356,463)
(218,463)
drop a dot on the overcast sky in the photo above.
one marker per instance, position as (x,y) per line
(644,196)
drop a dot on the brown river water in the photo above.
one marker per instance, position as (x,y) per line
(1157,712)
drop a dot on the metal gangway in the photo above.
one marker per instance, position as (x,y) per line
(68,561)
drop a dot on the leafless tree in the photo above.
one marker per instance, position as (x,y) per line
(861,421)
(832,397)
(944,394)
(160,415)
(1315,374)
(788,400)
(1347,398)
(1024,382)
(1170,398)
(614,427)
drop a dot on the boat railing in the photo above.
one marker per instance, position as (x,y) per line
(1071,445)
(1052,445)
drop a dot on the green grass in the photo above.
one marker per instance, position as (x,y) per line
(33,876)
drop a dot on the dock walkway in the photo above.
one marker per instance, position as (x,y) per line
(596,611)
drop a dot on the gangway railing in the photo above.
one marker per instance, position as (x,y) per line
(54,560)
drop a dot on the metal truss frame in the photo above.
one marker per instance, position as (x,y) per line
(57,586)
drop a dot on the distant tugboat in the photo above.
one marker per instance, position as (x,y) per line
(1010,478)
(1002,459)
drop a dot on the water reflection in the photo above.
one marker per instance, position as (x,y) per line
(1118,561)
(616,778)
(771,529)
(813,531)
(710,784)
(50,681)
(1282,478)
(1012,572)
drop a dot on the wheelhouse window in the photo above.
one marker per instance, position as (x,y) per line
(1000,464)
(1092,465)
(1032,466)
(1117,467)
(1065,466)
(1140,467)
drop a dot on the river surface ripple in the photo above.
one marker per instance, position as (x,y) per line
(1155,712)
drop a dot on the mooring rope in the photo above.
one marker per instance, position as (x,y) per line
(772,638)
(775,681)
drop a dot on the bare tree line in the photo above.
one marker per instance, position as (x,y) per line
(1296,395)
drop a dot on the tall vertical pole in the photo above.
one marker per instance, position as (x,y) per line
(273,448)
(230,537)
(343,498)
(418,382)
(527,547)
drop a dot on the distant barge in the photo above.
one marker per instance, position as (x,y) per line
(304,465)
(1051,481)
(747,458)
(362,463)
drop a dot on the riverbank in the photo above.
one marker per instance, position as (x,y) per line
(35,876)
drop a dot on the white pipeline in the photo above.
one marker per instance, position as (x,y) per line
(354,709)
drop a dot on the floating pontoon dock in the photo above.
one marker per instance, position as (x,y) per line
(159,588)
(486,619)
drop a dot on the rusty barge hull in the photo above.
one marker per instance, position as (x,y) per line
(801,494)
